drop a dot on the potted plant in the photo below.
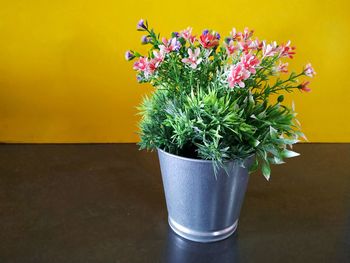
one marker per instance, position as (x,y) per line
(216,114)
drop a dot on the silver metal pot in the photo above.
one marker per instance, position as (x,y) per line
(202,206)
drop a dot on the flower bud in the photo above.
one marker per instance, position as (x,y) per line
(139,78)
(305,86)
(141,25)
(145,40)
(280,98)
(228,40)
(129,55)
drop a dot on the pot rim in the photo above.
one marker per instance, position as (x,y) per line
(196,160)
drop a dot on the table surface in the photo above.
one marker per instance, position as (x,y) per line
(105,203)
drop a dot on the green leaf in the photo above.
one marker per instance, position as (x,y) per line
(288,154)
(254,142)
(266,170)
(254,166)
(276,160)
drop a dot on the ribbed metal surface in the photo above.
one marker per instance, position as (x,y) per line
(201,206)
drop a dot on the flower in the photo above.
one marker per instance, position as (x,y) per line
(256,44)
(209,39)
(141,64)
(187,35)
(151,66)
(282,67)
(239,36)
(247,33)
(309,71)
(270,50)
(139,78)
(145,40)
(158,57)
(193,59)
(170,45)
(146,66)
(236,36)
(230,47)
(141,25)
(246,45)
(286,50)
(304,86)
(129,55)
(237,74)
(250,62)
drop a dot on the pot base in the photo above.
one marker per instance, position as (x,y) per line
(204,237)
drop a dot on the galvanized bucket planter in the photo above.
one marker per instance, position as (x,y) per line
(201,206)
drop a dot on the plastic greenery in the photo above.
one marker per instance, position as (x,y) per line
(217,101)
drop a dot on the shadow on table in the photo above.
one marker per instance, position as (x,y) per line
(178,249)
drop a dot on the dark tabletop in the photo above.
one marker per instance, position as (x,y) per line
(105,203)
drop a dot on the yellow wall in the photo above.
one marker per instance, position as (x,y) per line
(63,77)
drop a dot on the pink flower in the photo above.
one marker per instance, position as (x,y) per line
(246,45)
(270,50)
(209,39)
(309,71)
(247,33)
(193,59)
(158,57)
(237,74)
(170,45)
(141,64)
(230,47)
(304,86)
(250,62)
(286,50)
(256,44)
(282,67)
(151,67)
(187,35)
(238,36)
(146,66)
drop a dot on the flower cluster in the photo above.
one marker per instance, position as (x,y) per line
(240,68)
(244,58)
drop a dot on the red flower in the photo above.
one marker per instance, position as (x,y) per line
(246,46)
(230,47)
(304,86)
(286,50)
(209,39)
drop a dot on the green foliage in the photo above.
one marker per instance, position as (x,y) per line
(214,124)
